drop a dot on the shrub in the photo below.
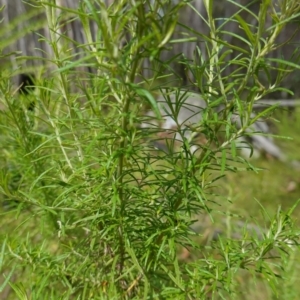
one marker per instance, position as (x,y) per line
(95,213)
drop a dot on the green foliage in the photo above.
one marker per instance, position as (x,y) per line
(93,211)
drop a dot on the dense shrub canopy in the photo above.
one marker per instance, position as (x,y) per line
(92,209)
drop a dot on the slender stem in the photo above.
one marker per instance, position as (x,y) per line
(55,34)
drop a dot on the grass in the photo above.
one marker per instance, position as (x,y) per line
(278,183)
